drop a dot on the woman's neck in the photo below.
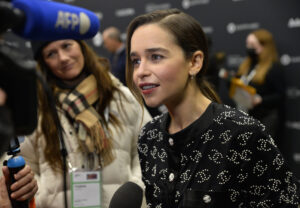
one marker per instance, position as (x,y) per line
(71,84)
(186,112)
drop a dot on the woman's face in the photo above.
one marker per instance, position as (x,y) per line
(252,42)
(160,70)
(64,58)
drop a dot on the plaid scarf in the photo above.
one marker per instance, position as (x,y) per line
(78,105)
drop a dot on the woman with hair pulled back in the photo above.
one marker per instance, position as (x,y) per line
(200,153)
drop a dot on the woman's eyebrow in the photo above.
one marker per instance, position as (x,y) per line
(151,50)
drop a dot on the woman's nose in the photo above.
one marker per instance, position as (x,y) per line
(63,56)
(143,69)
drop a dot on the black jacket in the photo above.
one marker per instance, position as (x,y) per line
(223,159)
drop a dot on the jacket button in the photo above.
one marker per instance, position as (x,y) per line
(206,199)
(171,141)
(171,177)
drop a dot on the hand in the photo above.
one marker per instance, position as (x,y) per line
(4,199)
(257,99)
(25,186)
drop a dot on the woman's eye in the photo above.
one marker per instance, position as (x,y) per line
(156,57)
(50,54)
(135,62)
(66,45)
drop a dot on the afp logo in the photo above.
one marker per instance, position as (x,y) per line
(68,19)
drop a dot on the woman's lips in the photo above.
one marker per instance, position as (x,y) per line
(148,88)
(67,67)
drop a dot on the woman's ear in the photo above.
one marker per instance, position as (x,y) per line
(196,63)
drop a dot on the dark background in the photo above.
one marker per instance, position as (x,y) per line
(227,22)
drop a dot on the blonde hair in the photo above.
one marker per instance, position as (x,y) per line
(266,58)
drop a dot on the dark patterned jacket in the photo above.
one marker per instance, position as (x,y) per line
(223,159)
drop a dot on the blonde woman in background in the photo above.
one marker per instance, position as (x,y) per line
(261,70)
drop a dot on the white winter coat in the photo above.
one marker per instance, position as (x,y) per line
(124,168)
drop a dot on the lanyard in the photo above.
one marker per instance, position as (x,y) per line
(247,79)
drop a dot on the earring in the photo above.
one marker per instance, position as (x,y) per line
(192,76)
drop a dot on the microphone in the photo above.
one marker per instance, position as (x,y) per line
(48,20)
(129,195)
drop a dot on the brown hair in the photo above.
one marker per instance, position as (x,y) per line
(95,65)
(266,58)
(187,33)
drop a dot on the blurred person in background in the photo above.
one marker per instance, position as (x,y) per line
(262,71)
(215,64)
(100,117)
(114,44)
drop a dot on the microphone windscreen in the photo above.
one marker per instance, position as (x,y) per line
(48,20)
(129,195)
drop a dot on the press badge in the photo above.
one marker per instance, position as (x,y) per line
(86,189)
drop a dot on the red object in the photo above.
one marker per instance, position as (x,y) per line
(32,203)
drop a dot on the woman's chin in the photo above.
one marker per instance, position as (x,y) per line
(152,104)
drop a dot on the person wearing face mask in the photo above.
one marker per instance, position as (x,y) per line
(264,76)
